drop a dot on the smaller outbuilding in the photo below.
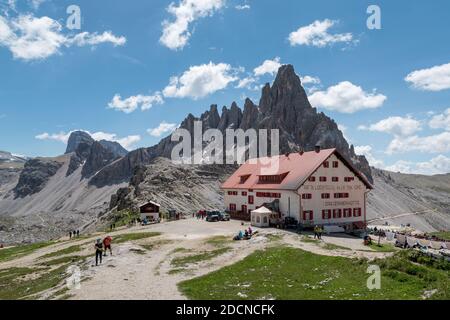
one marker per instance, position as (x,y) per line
(150,211)
(261,217)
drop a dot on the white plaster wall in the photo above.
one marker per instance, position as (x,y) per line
(356,190)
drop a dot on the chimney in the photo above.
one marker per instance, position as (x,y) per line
(317,148)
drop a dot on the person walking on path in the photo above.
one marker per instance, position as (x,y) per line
(320,233)
(98,252)
(107,245)
(316,232)
(70,235)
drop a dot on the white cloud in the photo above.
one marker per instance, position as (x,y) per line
(36,3)
(344,130)
(433,79)
(346,97)
(396,126)
(92,39)
(268,67)
(32,38)
(441,121)
(310,80)
(401,166)
(316,34)
(437,165)
(176,33)
(367,152)
(61,137)
(132,103)
(247,83)
(200,81)
(127,142)
(242,7)
(439,143)
(163,128)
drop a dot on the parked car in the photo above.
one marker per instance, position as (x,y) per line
(224,216)
(290,223)
(212,216)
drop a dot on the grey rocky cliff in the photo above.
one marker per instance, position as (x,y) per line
(92,155)
(76,141)
(98,158)
(185,188)
(35,175)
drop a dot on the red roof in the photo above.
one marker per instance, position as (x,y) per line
(298,167)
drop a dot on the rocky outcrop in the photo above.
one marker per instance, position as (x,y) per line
(122,169)
(114,147)
(185,188)
(8,160)
(35,175)
(79,141)
(284,106)
(98,158)
(92,155)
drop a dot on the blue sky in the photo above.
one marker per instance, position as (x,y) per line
(389,89)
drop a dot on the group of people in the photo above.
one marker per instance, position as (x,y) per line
(73,234)
(201,215)
(101,247)
(246,235)
(318,231)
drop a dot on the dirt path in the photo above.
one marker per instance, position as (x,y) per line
(130,276)
(136,271)
(406,214)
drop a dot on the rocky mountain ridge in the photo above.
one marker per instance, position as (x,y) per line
(284,106)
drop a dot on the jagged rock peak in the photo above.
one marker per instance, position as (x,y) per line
(211,118)
(76,139)
(287,77)
(286,93)
(114,147)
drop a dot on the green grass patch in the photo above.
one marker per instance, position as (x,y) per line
(63,260)
(18,283)
(274,237)
(155,244)
(309,240)
(123,218)
(181,262)
(332,246)
(444,235)
(20,251)
(293,274)
(62,252)
(384,247)
(134,236)
(219,241)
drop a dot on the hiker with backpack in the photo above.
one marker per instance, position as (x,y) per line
(98,251)
(107,245)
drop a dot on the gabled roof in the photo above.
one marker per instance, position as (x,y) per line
(149,202)
(299,167)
